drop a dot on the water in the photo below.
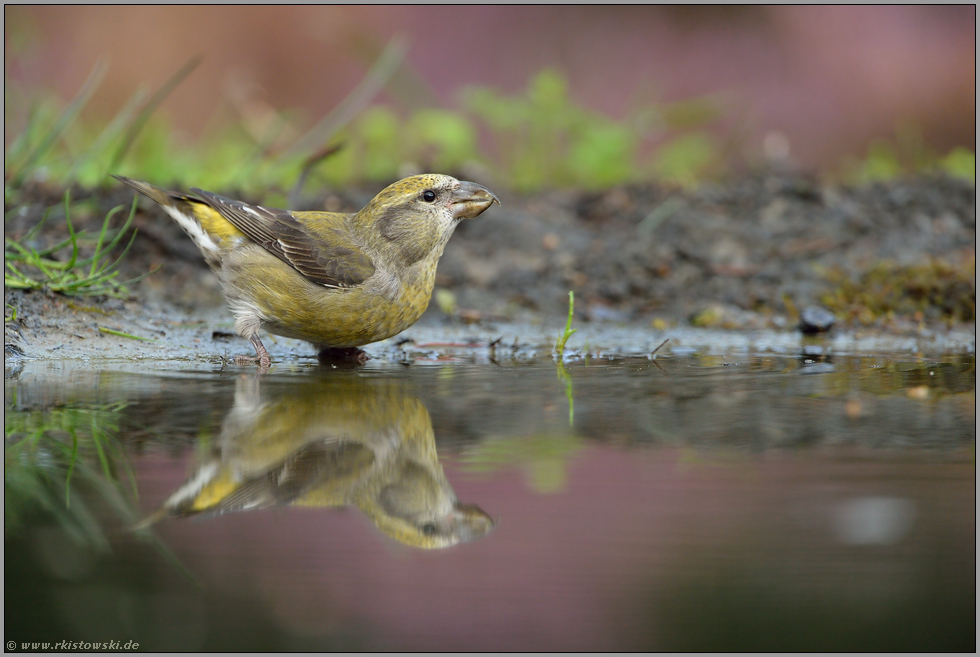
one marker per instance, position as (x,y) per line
(687,503)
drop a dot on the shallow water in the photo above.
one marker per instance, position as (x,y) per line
(687,503)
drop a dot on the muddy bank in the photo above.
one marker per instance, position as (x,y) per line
(895,263)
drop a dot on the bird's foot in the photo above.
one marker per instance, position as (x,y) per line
(264,362)
(351,356)
(261,355)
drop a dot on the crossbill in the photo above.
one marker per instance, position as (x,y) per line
(336,280)
(366,443)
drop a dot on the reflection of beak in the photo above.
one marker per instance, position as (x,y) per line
(470,200)
(472,522)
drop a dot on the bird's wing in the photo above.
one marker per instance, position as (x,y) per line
(327,257)
(312,467)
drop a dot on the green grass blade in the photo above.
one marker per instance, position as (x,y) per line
(25,254)
(37,227)
(96,431)
(565,378)
(21,142)
(130,471)
(99,253)
(19,281)
(563,338)
(71,232)
(139,278)
(107,268)
(120,334)
(169,556)
(54,249)
(73,458)
(99,240)
(30,257)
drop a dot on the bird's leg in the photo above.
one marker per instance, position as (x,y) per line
(260,351)
(261,354)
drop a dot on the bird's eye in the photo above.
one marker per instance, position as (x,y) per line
(430,528)
(428,196)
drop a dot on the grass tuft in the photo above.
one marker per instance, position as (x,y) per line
(28,268)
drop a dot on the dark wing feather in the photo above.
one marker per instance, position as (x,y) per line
(328,260)
(312,466)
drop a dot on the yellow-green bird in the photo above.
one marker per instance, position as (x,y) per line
(336,280)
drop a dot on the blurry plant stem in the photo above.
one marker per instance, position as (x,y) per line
(563,338)
(308,165)
(144,114)
(101,144)
(653,356)
(563,374)
(77,104)
(354,103)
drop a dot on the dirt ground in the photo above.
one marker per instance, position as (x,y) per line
(744,255)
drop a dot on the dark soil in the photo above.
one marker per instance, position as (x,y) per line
(743,255)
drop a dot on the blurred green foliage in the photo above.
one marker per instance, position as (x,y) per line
(539,138)
(544,458)
(535,139)
(543,139)
(905,155)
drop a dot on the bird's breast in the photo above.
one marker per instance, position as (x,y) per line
(330,317)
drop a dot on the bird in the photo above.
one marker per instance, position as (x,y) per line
(340,442)
(336,280)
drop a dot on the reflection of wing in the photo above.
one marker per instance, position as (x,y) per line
(315,465)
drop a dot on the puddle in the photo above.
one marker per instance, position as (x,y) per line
(478,499)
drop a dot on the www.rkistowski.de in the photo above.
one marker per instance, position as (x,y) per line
(73,645)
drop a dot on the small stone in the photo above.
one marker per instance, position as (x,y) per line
(816,319)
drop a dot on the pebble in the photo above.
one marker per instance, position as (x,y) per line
(816,319)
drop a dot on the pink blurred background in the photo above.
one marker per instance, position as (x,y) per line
(827,79)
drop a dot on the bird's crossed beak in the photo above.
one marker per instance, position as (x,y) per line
(470,200)
(471,521)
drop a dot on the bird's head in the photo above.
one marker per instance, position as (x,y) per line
(415,217)
(417,507)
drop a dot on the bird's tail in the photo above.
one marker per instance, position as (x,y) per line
(183,209)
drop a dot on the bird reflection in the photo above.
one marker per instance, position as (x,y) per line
(350,441)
